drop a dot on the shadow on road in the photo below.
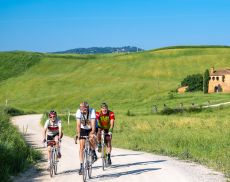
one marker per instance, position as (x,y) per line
(132,164)
(105,177)
(67,172)
(126,154)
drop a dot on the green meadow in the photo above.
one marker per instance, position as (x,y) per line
(129,83)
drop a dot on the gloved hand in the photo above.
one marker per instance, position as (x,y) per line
(44,143)
(75,138)
(110,133)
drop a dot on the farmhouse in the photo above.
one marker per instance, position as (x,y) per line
(219,80)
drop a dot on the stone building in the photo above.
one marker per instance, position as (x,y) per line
(182,89)
(219,81)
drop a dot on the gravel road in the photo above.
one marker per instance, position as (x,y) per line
(126,165)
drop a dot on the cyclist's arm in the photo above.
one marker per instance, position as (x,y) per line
(78,128)
(93,120)
(44,134)
(111,125)
(60,130)
(45,130)
(93,123)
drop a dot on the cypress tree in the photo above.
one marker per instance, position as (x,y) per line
(206,80)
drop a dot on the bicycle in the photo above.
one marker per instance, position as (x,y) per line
(53,157)
(87,159)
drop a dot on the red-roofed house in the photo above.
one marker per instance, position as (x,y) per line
(219,80)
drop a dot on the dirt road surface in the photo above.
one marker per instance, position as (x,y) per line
(126,165)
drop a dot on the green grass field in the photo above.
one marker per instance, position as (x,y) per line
(132,83)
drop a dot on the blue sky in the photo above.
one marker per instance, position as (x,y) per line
(56,25)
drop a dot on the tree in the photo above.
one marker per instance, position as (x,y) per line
(206,81)
(194,82)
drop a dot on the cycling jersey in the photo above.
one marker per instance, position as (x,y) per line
(85,119)
(104,119)
(53,127)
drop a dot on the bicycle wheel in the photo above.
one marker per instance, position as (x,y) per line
(55,161)
(103,156)
(90,162)
(85,166)
(51,164)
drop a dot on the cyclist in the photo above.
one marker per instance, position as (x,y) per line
(105,119)
(52,131)
(85,117)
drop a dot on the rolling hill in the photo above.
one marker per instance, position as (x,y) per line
(126,81)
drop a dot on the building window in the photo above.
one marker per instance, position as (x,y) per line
(217,78)
(213,78)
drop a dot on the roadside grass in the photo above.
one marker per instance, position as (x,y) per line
(15,154)
(201,137)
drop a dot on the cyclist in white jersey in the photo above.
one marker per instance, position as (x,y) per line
(52,131)
(85,118)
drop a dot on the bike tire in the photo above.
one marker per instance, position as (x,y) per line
(51,164)
(103,156)
(85,165)
(55,162)
(90,162)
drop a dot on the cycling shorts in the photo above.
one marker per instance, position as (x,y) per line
(51,137)
(105,130)
(84,132)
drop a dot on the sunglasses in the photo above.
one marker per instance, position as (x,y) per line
(52,116)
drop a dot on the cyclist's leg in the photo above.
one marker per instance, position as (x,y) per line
(56,139)
(109,143)
(92,140)
(49,138)
(109,148)
(99,139)
(82,146)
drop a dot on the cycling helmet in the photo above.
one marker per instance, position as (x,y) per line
(104,105)
(52,114)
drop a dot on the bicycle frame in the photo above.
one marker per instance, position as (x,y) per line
(87,160)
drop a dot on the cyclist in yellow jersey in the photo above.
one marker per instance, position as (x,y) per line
(105,119)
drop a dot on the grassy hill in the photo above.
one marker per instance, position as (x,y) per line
(125,81)
(132,83)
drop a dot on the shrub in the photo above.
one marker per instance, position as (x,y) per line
(13,111)
(194,82)
(168,111)
(129,113)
